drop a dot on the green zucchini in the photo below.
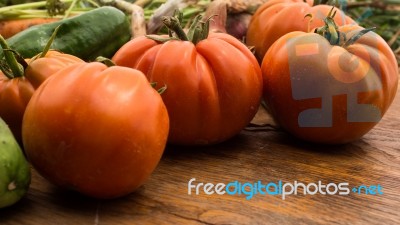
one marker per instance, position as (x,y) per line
(15,175)
(99,32)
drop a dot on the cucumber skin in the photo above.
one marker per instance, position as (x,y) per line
(99,32)
(13,168)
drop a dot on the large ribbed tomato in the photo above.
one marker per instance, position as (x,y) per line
(17,88)
(326,89)
(276,18)
(214,85)
(97,130)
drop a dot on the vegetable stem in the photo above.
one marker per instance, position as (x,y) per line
(198,30)
(331,32)
(138,22)
(106,61)
(94,3)
(357,36)
(173,24)
(166,9)
(27,6)
(142,3)
(68,12)
(309,21)
(330,29)
(49,42)
(16,68)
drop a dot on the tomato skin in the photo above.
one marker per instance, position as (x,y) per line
(276,18)
(15,93)
(97,130)
(325,76)
(41,68)
(213,88)
(14,96)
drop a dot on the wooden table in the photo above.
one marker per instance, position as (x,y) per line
(267,155)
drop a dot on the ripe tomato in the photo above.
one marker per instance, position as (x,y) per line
(276,18)
(97,130)
(40,69)
(214,86)
(15,92)
(329,93)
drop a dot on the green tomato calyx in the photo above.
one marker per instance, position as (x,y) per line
(331,32)
(198,30)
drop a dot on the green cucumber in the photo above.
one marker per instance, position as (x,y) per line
(15,175)
(99,32)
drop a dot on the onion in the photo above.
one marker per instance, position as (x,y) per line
(237,24)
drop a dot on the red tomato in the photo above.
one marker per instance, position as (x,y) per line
(40,69)
(328,93)
(213,90)
(15,92)
(97,130)
(276,18)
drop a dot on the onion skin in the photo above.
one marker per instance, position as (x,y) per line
(237,24)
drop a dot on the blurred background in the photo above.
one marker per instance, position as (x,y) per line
(382,14)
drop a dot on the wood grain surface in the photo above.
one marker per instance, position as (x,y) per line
(267,155)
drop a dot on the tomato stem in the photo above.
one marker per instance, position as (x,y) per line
(17,70)
(173,23)
(198,30)
(357,36)
(330,29)
(106,61)
(309,22)
(323,2)
(160,90)
(331,32)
